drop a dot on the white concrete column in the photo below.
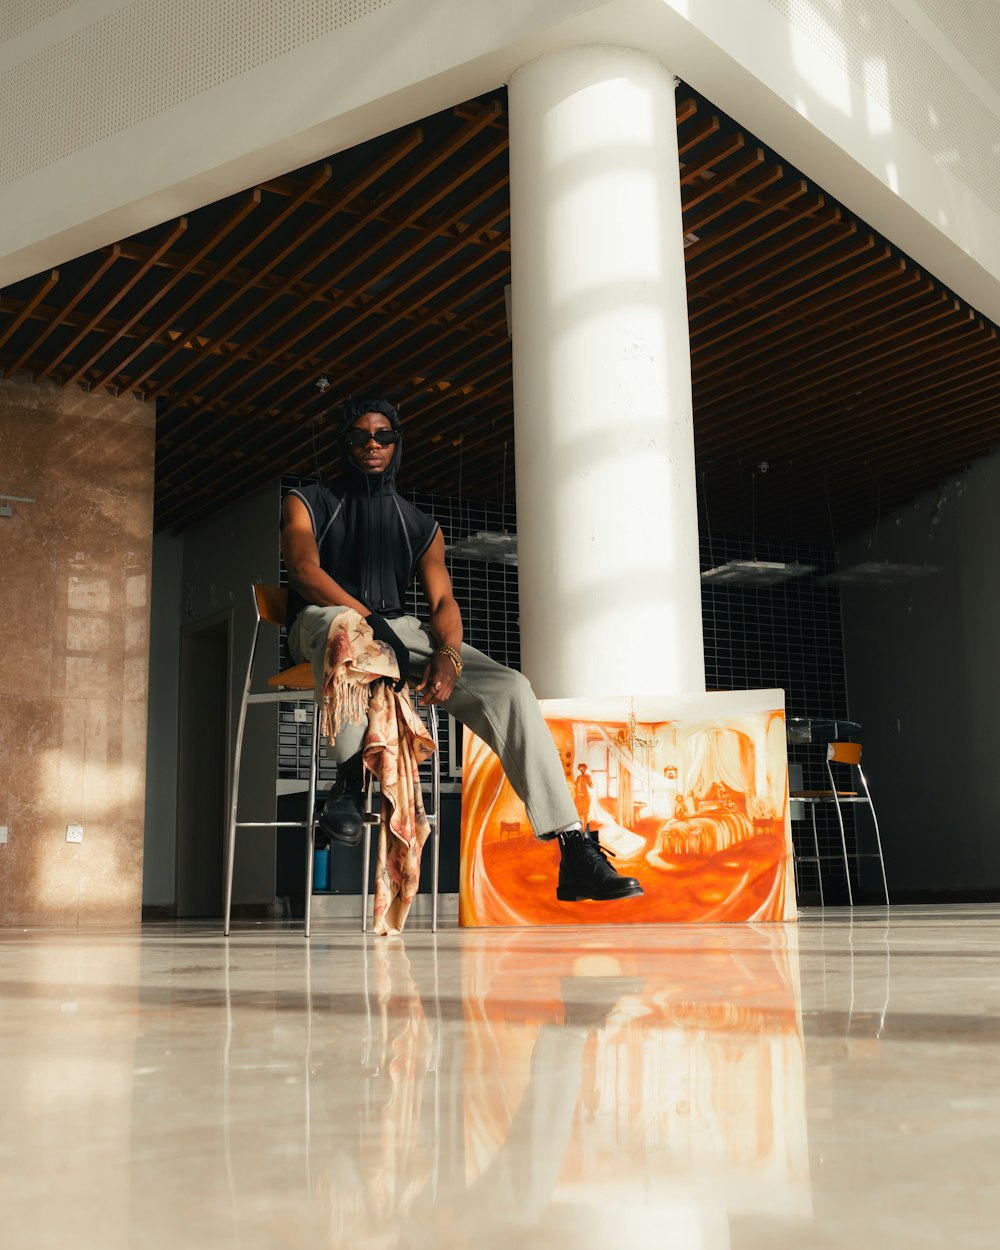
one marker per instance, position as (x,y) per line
(607,517)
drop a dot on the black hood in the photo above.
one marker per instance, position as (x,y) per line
(357,480)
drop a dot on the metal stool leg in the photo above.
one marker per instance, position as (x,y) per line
(367,856)
(819,866)
(310,815)
(843,835)
(436,831)
(235,787)
(878,839)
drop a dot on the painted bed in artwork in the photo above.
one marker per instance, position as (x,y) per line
(688,792)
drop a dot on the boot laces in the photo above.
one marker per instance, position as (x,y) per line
(593,845)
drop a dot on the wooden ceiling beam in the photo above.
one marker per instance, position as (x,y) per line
(104,262)
(780,287)
(708,348)
(482,116)
(747,380)
(358,373)
(686,109)
(720,246)
(426,297)
(923,419)
(716,186)
(231,270)
(44,314)
(374,279)
(240,212)
(824,412)
(283,446)
(821,233)
(173,233)
(46,285)
(344,367)
(371,174)
(394,293)
(357,376)
(933,457)
(706,128)
(883,315)
(321,444)
(372,363)
(749,192)
(719,149)
(357,258)
(824,405)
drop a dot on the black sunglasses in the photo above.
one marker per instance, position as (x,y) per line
(361,438)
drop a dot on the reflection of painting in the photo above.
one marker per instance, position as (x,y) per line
(670,1100)
(689,793)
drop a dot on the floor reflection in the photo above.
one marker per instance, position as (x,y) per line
(587,1088)
(547,1094)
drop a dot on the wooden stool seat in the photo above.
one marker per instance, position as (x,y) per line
(298,678)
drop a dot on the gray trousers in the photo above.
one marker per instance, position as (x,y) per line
(495,702)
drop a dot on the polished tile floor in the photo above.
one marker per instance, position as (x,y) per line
(834,1083)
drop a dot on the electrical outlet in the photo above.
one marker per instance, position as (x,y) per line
(300,715)
(74,833)
(3,835)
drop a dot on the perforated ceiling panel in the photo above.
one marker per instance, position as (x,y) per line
(143,59)
(880,50)
(973,27)
(19,15)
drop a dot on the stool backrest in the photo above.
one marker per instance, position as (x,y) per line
(272,603)
(844,752)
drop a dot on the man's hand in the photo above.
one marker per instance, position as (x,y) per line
(438,680)
(440,676)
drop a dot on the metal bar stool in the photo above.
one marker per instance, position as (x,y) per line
(271,605)
(848,753)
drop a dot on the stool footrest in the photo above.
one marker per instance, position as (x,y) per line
(270,824)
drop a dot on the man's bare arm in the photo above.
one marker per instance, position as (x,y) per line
(298,546)
(439,676)
(446,619)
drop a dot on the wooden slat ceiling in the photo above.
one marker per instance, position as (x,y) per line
(817,347)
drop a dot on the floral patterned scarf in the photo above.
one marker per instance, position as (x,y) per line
(396,744)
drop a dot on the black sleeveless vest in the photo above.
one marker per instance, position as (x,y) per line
(370,540)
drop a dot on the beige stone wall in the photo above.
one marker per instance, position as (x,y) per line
(74,625)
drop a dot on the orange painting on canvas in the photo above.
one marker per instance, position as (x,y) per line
(695,808)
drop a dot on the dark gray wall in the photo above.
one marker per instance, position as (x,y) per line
(924,680)
(204,576)
(161,765)
(222,557)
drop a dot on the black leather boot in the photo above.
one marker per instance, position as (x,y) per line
(585,873)
(342,817)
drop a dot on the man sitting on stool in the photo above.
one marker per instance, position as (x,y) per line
(354,543)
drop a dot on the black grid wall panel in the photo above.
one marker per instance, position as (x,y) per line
(787,637)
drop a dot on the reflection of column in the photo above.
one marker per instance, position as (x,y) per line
(607,518)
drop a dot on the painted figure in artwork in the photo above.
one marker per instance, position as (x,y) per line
(354,543)
(582,787)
